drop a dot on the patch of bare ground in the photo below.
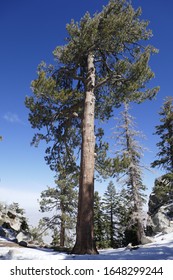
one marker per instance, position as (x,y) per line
(8,244)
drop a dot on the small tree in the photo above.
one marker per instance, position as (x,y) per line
(124,213)
(55,237)
(37,233)
(61,202)
(100,223)
(110,206)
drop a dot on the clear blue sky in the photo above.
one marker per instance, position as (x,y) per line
(29,32)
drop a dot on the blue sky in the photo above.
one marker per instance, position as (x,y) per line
(29,32)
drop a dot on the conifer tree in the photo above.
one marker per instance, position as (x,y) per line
(165,132)
(61,202)
(124,213)
(104,60)
(131,153)
(37,233)
(164,185)
(55,237)
(99,222)
(110,205)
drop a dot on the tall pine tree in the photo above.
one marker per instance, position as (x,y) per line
(104,60)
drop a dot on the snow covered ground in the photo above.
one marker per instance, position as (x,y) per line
(160,249)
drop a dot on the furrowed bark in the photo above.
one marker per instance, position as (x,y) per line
(85,230)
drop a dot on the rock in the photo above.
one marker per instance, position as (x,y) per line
(12,222)
(23,236)
(161,221)
(131,247)
(160,208)
(146,240)
(7,233)
(23,243)
(2,232)
(153,204)
(11,215)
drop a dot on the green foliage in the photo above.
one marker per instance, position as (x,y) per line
(37,233)
(55,237)
(61,204)
(165,132)
(111,218)
(110,206)
(115,37)
(100,223)
(163,188)
(124,216)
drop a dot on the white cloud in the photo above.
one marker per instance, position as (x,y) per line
(12,118)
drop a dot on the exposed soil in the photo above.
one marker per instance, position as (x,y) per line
(8,244)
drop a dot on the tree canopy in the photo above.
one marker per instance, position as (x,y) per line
(115,37)
(104,61)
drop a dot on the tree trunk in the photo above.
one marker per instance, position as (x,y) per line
(62,226)
(137,210)
(62,234)
(85,221)
(112,228)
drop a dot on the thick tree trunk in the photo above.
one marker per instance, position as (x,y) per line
(85,225)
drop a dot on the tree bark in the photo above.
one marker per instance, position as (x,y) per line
(62,227)
(85,221)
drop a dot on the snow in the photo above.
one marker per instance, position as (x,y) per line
(160,249)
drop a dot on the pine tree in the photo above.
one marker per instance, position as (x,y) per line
(62,203)
(164,185)
(99,222)
(110,204)
(55,237)
(123,216)
(37,233)
(102,61)
(131,153)
(165,132)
